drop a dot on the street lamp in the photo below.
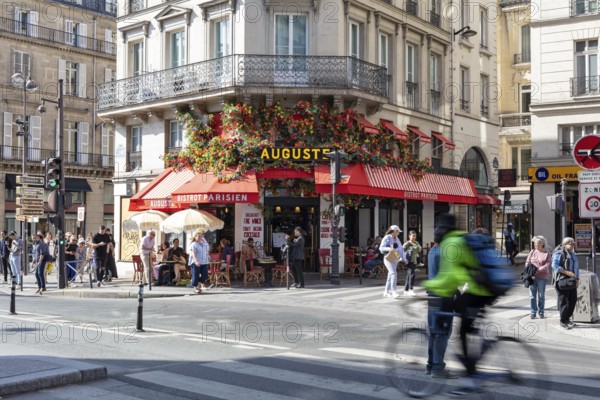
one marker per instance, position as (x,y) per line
(60,212)
(19,80)
(336,156)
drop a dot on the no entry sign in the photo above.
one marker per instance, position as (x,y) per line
(586,152)
(589,200)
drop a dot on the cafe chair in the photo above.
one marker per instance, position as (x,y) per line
(222,276)
(324,262)
(214,265)
(138,269)
(252,276)
(351,267)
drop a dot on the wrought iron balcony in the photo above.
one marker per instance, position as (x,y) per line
(334,72)
(514,120)
(55,36)
(134,160)
(584,7)
(510,3)
(436,164)
(464,104)
(435,19)
(521,58)
(88,160)
(412,95)
(412,8)
(587,85)
(435,102)
(136,5)
(108,7)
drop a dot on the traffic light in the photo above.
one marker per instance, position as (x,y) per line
(342,234)
(54,173)
(55,220)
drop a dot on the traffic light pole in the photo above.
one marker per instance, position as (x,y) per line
(335,245)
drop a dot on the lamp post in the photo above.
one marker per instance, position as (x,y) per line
(60,212)
(335,156)
(28,85)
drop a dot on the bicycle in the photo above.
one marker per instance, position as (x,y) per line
(506,366)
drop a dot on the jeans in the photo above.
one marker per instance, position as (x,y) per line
(15,267)
(199,274)
(410,276)
(372,263)
(100,263)
(39,275)
(440,328)
(392,278)
(537,296)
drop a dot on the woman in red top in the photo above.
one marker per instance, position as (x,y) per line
(541,259)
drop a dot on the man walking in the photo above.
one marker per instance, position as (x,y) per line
(510,242)
(16,249)
(99,242)
(146,250)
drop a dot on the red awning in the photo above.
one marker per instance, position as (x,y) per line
(448,144)
(398,133)
(206,188)
(394,182)
(420,135)
(488,199)
(284,173)
(156,195)
(368,127)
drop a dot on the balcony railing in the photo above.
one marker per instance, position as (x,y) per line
(435,98)
(587,85)
(56,36)
(92,160)
(566,149)
(412,8)
(436,164)
(136,5)
(412,95)
(246,70)
(510,3)
(584,7)
(108,7)
(464,105)
(435,19)
(134,160)
(514,120)
(521,58)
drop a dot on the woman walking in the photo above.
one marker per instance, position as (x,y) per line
(412,248)
(199,261)
(541,260)
(391,242)
(296,248)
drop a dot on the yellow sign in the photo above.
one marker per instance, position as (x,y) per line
(553,174)
(296,154)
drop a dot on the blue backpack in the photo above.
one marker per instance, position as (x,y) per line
(494,272)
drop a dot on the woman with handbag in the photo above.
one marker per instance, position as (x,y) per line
(391,247)
(540,259)
(566,280)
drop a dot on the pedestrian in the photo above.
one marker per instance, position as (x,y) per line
(566,280)
(440,326)
(5,253)
(111,265)
(541,259)
(81,256)
(146,252)
(99,243)
(52,250)
(199,261)
(40,257)
(16,250)
(510,243)
(71,258)
(412,249)
(296,253)
(391,242)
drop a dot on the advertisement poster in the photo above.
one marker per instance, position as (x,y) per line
(583,236)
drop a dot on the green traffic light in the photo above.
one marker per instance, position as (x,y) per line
(62,242)
(53,183)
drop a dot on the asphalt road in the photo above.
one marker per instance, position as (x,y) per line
(313,344)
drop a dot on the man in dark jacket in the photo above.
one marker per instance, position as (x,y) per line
(297,256)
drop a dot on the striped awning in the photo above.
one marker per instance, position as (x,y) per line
(156,195)
(394,182)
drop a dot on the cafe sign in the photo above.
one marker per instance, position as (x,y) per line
(295,154)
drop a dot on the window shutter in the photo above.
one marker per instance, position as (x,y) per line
(84,133)
(104,146)
(62,74)
(109,40)
(32,28)
(8,135)
(81,80)
(35,144)
(26,59)
(16,67)
(17,17)
(69,38)
(82,32)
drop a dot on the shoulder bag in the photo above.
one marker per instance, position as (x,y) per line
(392,256)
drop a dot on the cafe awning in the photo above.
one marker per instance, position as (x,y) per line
(398,133)
(156,195)
(488,199)
(368,126)
(206,188)
(394,182)
(422,136)
(448,144)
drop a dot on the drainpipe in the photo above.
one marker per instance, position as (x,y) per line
(94,83)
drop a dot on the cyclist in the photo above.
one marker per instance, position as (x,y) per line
(458,290)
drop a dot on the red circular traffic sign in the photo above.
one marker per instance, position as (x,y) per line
(593,204)
(586,152)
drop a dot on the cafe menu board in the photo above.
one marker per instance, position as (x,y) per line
(278,239)
(583,236)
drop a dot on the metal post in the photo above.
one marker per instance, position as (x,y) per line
(563,191)
(61,205)
(24,253)
(360,267)
(335,246)
(287,270)
(13,296)
(140,311)
(594,241)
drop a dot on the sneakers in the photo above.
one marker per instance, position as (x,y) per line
(396,295)
(571,324)
(387,295)
(409,293)
(565,326)
(463,391)
(532,316)
(443,374)
(542,316)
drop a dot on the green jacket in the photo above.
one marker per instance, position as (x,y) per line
(455,260)
(416,250)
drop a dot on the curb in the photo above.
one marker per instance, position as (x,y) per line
(65,375)
(104,294)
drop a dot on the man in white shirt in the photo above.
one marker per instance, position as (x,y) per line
(146,250)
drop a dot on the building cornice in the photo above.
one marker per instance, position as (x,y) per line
(573,106)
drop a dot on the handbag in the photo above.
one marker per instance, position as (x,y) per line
(392,256)
(566,282)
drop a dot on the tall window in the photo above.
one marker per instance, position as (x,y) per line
(583,7)
(70,133)
(75,33)
(483,27)
(464,89)
(464,13)
(176,48)
(521,161)
(21,63)
(136,58)
(222,35)
(26,22)
(136,139)
(411,63)
(485,87)
(291,33)
(434,84)
(384,50)
(437,150)
(568,136)
(354,40)
(525,100)
(525,44)
(473,166)
(175,135)
(586,55)
(70,78)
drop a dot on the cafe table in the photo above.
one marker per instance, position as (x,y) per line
(268,264)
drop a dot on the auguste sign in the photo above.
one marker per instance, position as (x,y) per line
(295,154)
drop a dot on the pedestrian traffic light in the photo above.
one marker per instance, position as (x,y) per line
(54,173)
(342,234)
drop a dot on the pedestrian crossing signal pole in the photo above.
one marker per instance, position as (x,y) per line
(335,156)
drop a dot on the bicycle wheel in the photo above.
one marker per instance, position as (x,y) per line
(407,364)
(512,368)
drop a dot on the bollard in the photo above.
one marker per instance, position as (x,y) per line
(140,312)
(360,267)
(13,296)
(91,275)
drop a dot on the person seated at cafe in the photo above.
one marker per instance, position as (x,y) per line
(177,256)
(227,250)
(374,257)
(162,255)
(250,254)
